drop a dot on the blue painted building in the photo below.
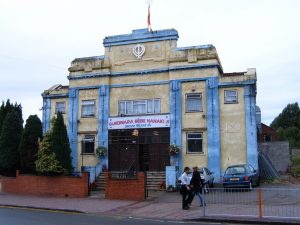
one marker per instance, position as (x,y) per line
(144,95)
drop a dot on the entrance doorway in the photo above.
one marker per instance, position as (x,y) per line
(141,149)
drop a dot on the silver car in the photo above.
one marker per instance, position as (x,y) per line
(207,176)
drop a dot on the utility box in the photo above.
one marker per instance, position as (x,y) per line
(171,178)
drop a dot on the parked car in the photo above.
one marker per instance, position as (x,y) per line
(207,176)
(240,176)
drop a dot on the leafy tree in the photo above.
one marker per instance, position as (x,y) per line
(287,124)
(289,117)
(30,144)
(9,141)
(60,143)
(292,134)
(47,164)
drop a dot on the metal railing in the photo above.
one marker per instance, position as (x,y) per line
(123,175)
(261,203)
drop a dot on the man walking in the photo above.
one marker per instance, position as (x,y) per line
(185,191)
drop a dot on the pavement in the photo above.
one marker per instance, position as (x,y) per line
(159,205)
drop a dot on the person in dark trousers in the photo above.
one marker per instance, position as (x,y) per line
(197,184)
(185,190)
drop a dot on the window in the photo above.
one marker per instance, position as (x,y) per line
(88,144)
(88,108)
(138,107)
(230,96)
(193,103)
(267,138)
(60,107)
(194,142)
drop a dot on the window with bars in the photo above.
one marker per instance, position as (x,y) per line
(88,144)
(230,96)
(193,102)
(60,107)
(88,108)
(138,107)
(194,143)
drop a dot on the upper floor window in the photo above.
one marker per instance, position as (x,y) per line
(88,144)
(88,108)
(193,102)
(137,107)
(231,96)
(194,142)
(60,107)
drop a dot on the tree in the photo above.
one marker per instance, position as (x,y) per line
(29,144)
(47,164)
(9,141)
(8,107)
(60,143)
(289,117)
(287,124)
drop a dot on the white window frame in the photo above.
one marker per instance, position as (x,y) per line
(88,103)
(226,97)
(60,109)
(194,138)
(193,96)
(129,107)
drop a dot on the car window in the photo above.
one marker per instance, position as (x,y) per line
(206,171)
(251,169)
(235,170)
(201,170)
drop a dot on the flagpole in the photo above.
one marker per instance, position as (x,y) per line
(149,22)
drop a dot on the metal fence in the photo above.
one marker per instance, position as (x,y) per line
(261,203)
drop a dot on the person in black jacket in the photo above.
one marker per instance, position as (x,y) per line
(197,185)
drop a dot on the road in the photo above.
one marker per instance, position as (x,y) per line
(17,216)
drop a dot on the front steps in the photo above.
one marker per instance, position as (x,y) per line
(156,181)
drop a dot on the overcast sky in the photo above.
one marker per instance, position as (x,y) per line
(40,38)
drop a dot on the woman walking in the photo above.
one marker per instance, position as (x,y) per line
(198,185)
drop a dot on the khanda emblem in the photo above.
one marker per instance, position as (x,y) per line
(138,51)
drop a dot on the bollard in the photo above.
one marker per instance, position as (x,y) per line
(204,203)
(259,204)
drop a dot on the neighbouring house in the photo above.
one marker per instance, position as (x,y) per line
(267,134)
(146,93)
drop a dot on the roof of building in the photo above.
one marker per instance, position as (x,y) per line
(234,74)
(140,36)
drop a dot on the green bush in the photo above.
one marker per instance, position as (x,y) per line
(47,164)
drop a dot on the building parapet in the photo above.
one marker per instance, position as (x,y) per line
(145,72)
(140,36)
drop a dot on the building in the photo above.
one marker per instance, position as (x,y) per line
(268,134)
(146,93)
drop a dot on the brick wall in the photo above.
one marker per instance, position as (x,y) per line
(59,186)
(125,189)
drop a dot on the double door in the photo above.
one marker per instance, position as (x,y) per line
(146,150)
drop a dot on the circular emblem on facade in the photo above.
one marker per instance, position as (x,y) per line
(138,51)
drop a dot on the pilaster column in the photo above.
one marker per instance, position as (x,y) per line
(103,111)
(73,124)
(46,114)
(213,127)
(251,129)
(175,120)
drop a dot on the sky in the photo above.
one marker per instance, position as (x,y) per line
(40,38)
